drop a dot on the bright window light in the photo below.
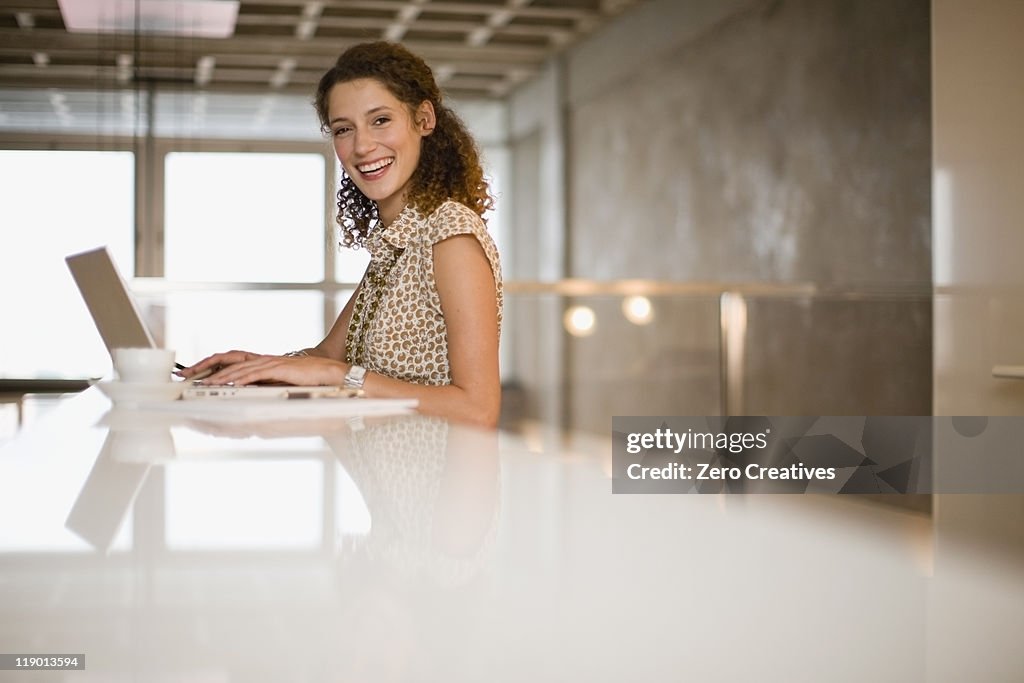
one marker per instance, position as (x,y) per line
(244,217)
(57,203)
(203,323)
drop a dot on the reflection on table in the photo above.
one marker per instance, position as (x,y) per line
(406,548)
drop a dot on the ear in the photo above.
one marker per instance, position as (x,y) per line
(425,118)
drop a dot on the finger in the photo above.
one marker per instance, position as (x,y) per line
(198,372)
(217,360)
(264,371)
(208,363)
(271,369)
(203,374)
(216,375)
(232,374)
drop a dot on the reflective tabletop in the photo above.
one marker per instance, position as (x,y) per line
(181,547)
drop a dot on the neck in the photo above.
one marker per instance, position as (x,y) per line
(388,214)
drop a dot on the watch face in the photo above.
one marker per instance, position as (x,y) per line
(355,377)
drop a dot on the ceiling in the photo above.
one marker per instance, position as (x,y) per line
(477,48)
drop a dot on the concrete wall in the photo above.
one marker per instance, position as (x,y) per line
(764,141)
(788,141)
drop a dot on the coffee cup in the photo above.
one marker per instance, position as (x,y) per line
(139,365)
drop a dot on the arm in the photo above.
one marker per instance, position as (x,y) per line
(465,286)
(333,345)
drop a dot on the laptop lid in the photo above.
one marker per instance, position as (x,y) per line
(113,309)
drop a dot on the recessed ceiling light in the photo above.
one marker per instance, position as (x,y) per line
(194,18)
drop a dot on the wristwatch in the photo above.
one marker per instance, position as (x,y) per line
(355,377)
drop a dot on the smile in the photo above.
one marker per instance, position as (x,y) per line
(375,168)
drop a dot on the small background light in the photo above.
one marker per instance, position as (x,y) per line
(638,310)
(580,321)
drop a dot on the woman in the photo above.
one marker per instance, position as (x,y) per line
(425,320)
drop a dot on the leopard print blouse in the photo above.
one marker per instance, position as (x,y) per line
(398,329)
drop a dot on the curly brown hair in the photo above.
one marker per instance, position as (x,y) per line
(449,166)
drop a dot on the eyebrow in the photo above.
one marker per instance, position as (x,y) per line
(369,113)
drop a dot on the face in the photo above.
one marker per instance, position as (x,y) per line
(377,140)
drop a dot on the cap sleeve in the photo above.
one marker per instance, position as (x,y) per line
(451,219)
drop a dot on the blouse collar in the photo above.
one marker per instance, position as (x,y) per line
(402,230)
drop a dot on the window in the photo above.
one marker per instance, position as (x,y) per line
(201,323)
(57,203)
(244,217)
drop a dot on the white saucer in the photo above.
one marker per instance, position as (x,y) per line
(142,392)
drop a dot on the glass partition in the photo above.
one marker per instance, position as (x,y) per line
(577,360)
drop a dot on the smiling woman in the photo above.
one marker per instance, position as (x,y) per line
(425,320)
(378,141)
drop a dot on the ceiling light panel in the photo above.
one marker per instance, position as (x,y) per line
(193,18)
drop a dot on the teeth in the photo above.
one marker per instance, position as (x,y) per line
(375,166)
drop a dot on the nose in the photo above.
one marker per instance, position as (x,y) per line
(363,142)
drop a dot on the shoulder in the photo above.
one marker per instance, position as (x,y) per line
(451,219)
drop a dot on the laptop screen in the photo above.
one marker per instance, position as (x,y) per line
(112,307)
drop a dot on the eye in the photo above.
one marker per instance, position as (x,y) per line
(341,130)
(380,120)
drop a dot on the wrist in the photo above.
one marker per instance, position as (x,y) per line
(355,377)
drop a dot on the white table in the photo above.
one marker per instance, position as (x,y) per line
(405,548)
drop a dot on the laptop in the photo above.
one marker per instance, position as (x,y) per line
(120,324)
(113,309)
